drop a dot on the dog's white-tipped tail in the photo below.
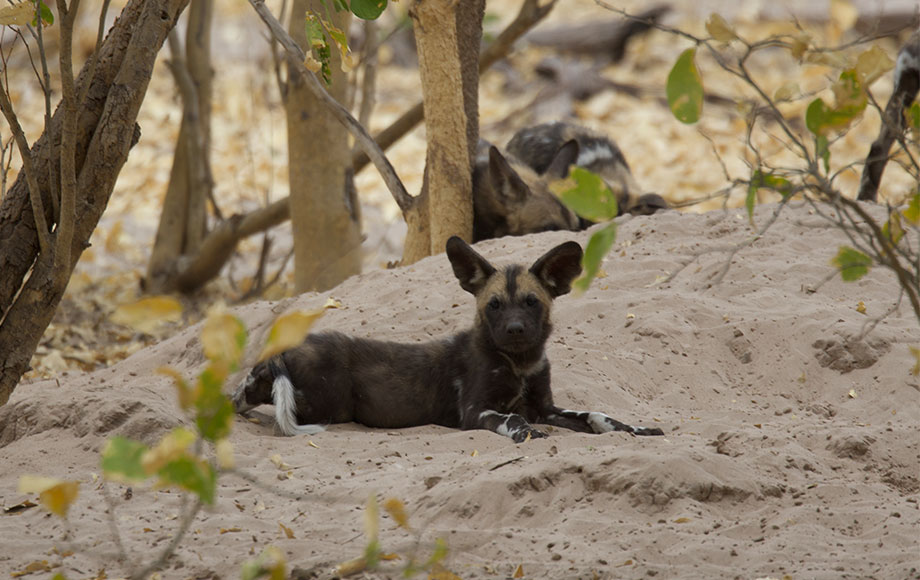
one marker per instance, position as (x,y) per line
(286,409)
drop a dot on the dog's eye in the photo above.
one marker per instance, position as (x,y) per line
(531,300)
(495,303)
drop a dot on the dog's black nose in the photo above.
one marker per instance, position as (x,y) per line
(514,328)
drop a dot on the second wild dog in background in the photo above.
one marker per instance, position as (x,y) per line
(492,376)
(538,147)
(511,194)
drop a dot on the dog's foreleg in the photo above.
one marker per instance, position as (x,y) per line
(508,424)
(285,405)
(596,422)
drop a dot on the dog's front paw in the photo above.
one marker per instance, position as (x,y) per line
(522,435)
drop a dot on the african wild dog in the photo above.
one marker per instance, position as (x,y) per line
(493,376)
(511,199)
(539,148)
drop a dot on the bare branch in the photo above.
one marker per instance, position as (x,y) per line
(95,61)
(362,137)
(25,153)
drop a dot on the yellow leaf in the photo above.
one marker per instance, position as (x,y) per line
(351,567)
(173,445)
(223,337)
(312,444)
(397,511)
(56,495)
(800,44)
(916,352)
(332,303)
(682,520)
(872,64)
(852,393)
(31,568)
(147,314)
(787,91)
(17,14)
(230,530)
(861,307)
(372,519)
(843,14)
(287,531)
(224,452)
(519,571)
(112,239)
(475,453)
(276,460)
(719,29)
(184,392)
(289,331)
(312,64)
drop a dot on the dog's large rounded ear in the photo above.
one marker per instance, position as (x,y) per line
(471,269)
(558,268)
(564,159)
(506,183)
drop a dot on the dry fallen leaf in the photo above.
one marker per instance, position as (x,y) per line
(55,494)
(397,511)
(519,571)
(287,531)
(861,307)
(852,393)
(230,530)
(147,314)
(31,568)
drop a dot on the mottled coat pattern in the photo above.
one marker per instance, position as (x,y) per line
(492,376)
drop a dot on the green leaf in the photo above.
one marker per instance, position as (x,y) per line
(121,460)
(893,230)
(587,195)
(685,88)
(213,409)
(851,101)
(823,151)
(852,264)
(912,213)
(368,9)
(913,116)
(191,474)
(46,14)
(598,246)
(760,180)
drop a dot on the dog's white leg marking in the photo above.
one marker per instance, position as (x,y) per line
(602,423)
(504,428)
(239,396)
(286,409)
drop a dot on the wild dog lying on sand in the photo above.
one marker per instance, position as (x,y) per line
(493,376)
(539,148)
(511,199)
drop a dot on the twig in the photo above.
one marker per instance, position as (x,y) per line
(750,241)
(25,154)
(174,542)
(113,522)
(95,61)
(509,462)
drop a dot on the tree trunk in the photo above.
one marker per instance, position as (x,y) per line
(325,215)
(447,34)
(183,221)
(105,130)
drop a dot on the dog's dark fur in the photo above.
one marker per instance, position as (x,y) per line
(511,199)
(539,147)
(493,376)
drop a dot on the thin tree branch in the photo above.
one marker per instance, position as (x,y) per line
(25,153)
(64,232)
(95,61)
(362,137)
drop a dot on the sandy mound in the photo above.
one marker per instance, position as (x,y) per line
(791,448)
